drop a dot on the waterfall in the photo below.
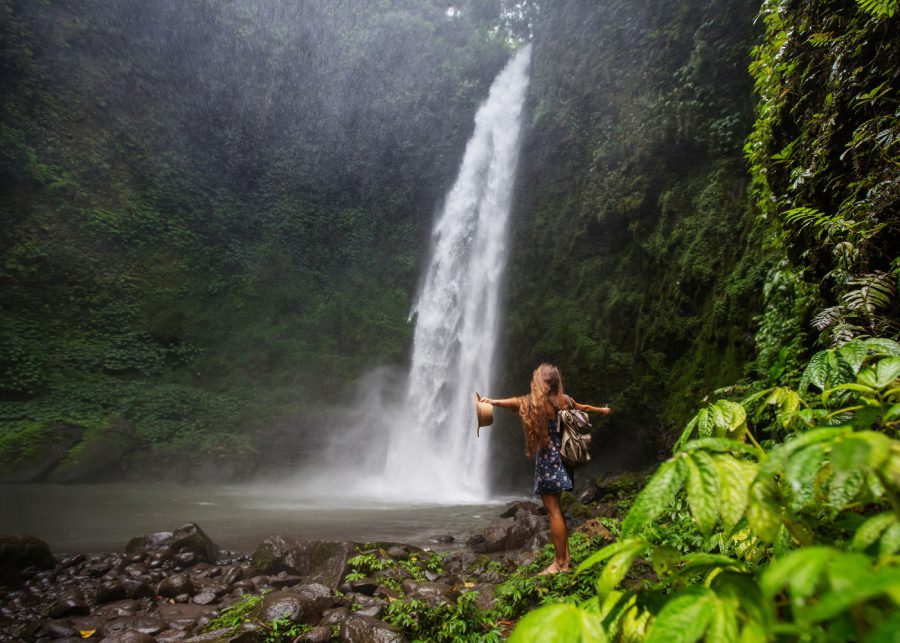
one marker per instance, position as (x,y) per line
(434,452)
(421,447)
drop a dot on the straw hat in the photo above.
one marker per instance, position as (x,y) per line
(484,413)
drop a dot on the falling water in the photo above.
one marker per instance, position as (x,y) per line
(436,453)
(422,447)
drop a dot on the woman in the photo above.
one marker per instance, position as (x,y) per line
(539,411)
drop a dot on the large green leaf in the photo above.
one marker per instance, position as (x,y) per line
(764,510)
(724,624)
(882,346)
(720,444)
(735,477)
(868,586)
(816,372)
(658,493)
(870,531)
(800,473)
(854,353)
(619,564)
(608,552)
(703,489)
(890,540)
(685,618)
(801,571)
(562,623)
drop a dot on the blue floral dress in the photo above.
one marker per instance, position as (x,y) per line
(550,474)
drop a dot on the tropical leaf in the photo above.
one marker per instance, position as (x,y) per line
(720,445)
(685,618)
(608,552)
(656,495)
(703,490)
(870,531)
(561,623)
(764,510)
(854,353)
(882,346)
(619,564)
(800,473)
(735,477)
(874,292)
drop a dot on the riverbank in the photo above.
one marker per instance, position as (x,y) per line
(181,586)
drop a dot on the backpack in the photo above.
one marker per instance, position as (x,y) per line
(576,442)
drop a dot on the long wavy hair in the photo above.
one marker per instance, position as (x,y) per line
(534,408)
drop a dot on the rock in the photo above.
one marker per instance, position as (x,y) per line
(171,636)
(283,579)
(56,630)
(594,528)
(398,552)
(112,610)
(375,611)
(365,629)
(445,539)
(18,553)
(319,561)
(233,575)
(290,605)
(186,559)
(334,616)
(190,538)
(316,635)
(513,533)
(129,636)
(176,585)
(97,569)
(141,624)
(110,591)
(69,603)
(432,593)
(148,542)
(523,505)
(205,597)
(487,596)
(137,588)
(365,586)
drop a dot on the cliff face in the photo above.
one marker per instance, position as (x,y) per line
(634,264)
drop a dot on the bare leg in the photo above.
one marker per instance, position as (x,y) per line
(558,532)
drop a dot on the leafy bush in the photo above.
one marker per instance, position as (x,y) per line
(799,538)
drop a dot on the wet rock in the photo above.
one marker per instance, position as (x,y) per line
(319,561)
(137,588)
(110,591)
(98,569)
(69,603)
(233,575)
(525,505)
(365,586)
(190,538)
(316,635)
(72,561)
(289,605)
(588,496)
(205,597)
(129,636)
(476,541)
(148,625)
(171,636)
(487,596)
(513,533)
(445,539)
(334,616)
(594,528)
(125,607)
(55,630)
(175,586)
(283,579)
(375,611)
(365,629)
(18,553)
(398,552)
(431,593)
(148,542)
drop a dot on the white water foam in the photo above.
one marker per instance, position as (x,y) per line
(421,445)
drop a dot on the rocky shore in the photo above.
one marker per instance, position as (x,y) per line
(173,586)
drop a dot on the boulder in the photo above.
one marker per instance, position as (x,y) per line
(147,625)
(129,636)
(69,603)
(318,561)
(295,607)
(19,552)
(365,629)
(175,586)
(148,542)
(594,528)
(190,538)
(432,593)
(319,634)
(513,533)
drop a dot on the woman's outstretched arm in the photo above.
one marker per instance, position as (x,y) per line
(511,403)
(605,410)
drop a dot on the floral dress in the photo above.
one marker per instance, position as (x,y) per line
(550,474)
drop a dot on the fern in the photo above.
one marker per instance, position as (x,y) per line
(875,292)
(878,7)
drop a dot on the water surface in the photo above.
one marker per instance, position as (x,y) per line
(103,517)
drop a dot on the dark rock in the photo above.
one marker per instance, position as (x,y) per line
(176,585)
(398,552)
(141,624)
(283,579)
(233,575)
(523,505)
(316,635)
(475,541)
(205,597)
(290,605)
(375,611)
(334,616)
(137,588)
(72,561)
(183,598)
(98,569)
(110,591)
(126,607)
(594,528)
(588,496)
(56,630)
(513,533)
(129,636)
(69,603)
(445,539)
(365,629)
(148,542)
(171,636)
(190,538)
(386,592)
(319,561)
(186,559)
(365,586)
(18,553)
(487,596)
(432,593)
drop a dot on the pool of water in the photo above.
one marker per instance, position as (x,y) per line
(103,517)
